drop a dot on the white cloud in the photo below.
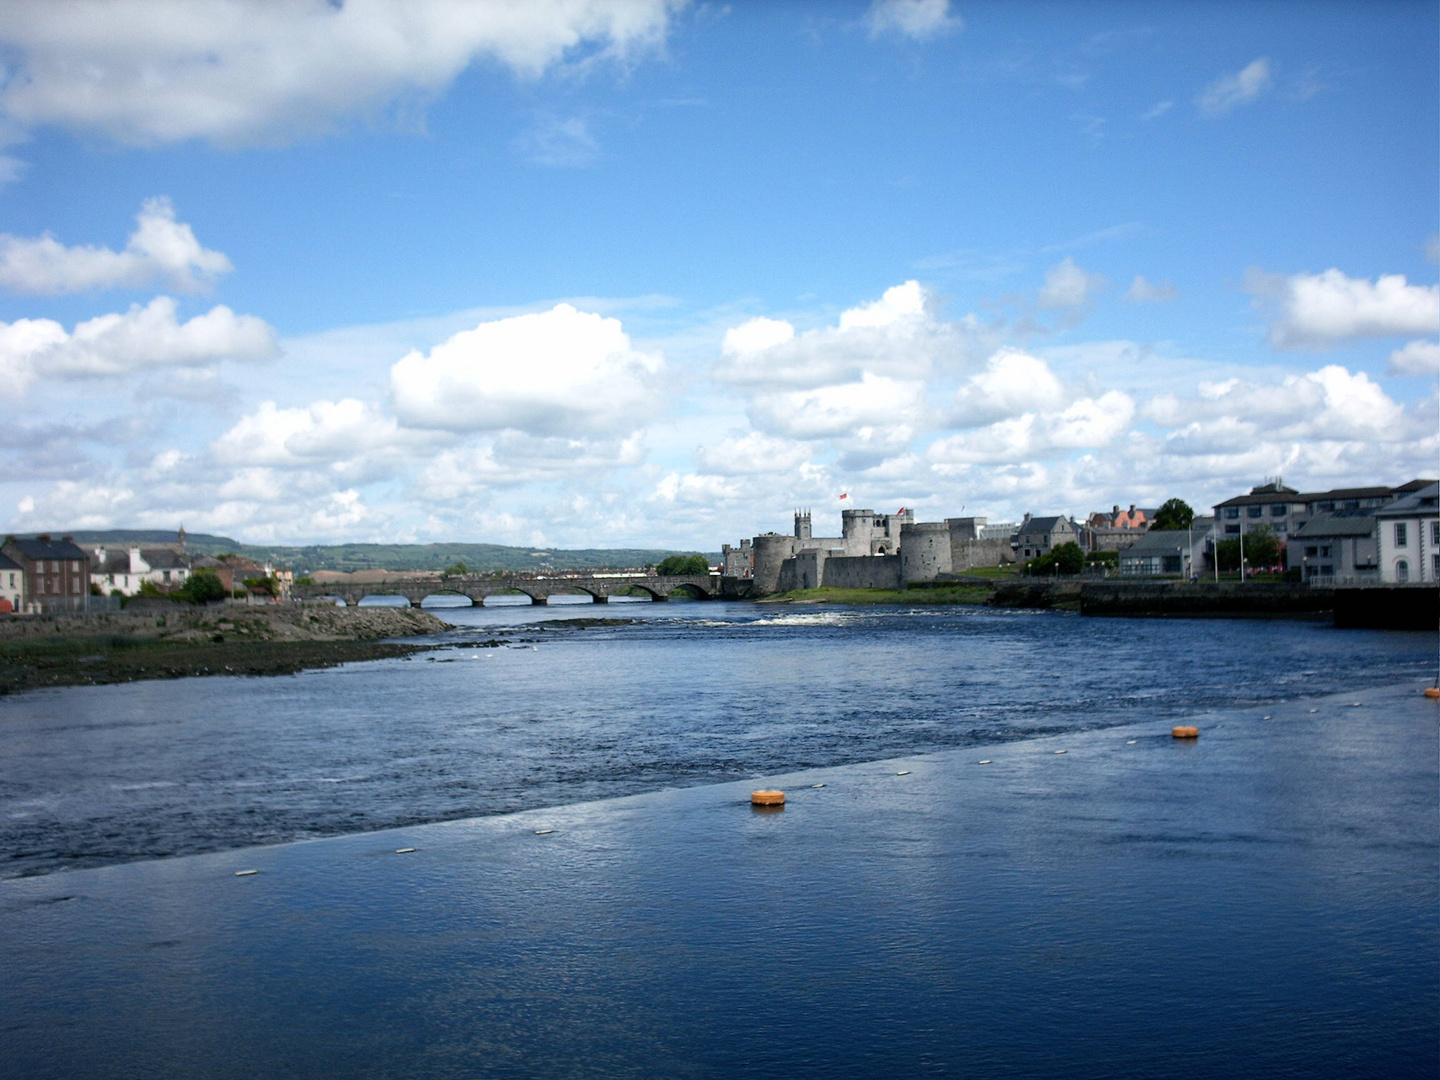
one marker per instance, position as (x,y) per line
(160,247)
(1415,358)
(563,142)
(1159,109)
(147,337)
(1090,422)
(752,454)
(339,435)
(1012,383)
(560,372)
(919,20)
(1231,91)
(895,336)
(840,411)
(1068,286)
(1318,309)
(1330,403)
(1145,292)
(241,72)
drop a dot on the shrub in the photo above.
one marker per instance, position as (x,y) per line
(675,565)
(203,587)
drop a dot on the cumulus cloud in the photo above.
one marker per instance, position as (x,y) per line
(349,438)
(142,338)
(918,20)
(1068,286)
(1415,358)
(1331,403)
(1315,310)
(1089,422)
(752,454)
(1012,383)
(1145,292)
(160,247)
(1238,88)
(896,336)
(560,372)
(873,401)
(242,72)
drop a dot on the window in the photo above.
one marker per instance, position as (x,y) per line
(1232,511)
(1254,511)
(1402,570)
(1279,510)
(1351,504)
(1328,504)
(1401,539)
(1435,533)
(1311,552)
(1280,526)
(1232,530)
(1325,552)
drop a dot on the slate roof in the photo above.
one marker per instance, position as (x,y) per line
(1421,503)
(1043,525)
(1270,493)
(7,563)
(53,549)
(1337,523)
(1158,542)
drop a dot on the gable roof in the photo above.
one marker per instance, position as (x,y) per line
(1158,542)
(7,563)
(48,549)
(1423,502)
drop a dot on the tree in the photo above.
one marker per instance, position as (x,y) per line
(675,565)
(1066,558)
(1261,549)
(458,570)
(1174,514)
(203,587)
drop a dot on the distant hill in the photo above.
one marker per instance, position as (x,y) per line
(350,557)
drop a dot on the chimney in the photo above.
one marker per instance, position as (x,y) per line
(136,565)
(99,556)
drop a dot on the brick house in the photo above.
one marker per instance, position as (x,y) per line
(56,572)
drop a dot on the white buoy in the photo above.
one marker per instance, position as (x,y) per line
(1060,751)
(246,873)
(817,785)
(1130,742)
(985,762)
(543,832)
(403,850)
(1264,718)
(903,772)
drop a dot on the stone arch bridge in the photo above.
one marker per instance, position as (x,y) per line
(599,586)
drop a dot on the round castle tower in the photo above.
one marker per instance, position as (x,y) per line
(771,550)
(924,551)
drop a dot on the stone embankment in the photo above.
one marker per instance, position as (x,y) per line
(276,639)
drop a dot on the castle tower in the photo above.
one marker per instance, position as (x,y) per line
(802,524)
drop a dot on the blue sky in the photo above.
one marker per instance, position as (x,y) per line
(610,272)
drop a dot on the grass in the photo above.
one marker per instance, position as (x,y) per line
(1008,571)
(958,594)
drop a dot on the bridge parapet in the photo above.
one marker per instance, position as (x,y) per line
(539,589)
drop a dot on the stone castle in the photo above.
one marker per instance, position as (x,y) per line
(873,551)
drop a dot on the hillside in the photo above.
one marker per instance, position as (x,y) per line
(349,557)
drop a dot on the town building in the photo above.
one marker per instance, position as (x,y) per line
(124,571)
(1171,552)
(1408,537)
(1335,546)
(56,573)
(12,585)
(1286,511)
(1039,536)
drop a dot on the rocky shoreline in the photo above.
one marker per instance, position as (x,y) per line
(274,639)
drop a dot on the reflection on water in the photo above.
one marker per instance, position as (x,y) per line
(653,696)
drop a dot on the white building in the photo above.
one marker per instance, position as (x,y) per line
(123,571)
(1409,533)
(12,583)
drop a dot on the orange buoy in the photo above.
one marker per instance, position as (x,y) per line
(767,798)
(1432,692)
(1184,732)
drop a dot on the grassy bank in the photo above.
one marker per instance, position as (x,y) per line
(270,640)
(956,594)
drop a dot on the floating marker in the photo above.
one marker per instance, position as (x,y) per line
(1061,751)
(817,785)
(1356,704)
(1314,710)
(1184,732)
(1432,692)
(767,798)
(403,850)
(543,832)
(246,873)
(1264,718)
(903,772)
(985,762)
(1130,742)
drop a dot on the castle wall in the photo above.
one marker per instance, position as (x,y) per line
(925,551)
(864,572)
(771,551)
(968,554)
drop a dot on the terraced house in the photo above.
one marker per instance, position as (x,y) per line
(56,572)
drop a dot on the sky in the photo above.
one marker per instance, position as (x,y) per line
(597,273)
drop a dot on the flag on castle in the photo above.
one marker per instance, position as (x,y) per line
(844,496)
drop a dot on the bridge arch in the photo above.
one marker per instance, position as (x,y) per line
(446,594)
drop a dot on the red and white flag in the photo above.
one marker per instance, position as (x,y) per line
(844,496)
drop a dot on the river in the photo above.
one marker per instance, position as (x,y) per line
(667,695)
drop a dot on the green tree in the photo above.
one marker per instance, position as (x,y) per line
(459,569)
(674,565)
(1066,558)
(1261,549)
(203,587)
(1174,514)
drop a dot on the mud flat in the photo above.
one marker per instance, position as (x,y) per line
(276,639)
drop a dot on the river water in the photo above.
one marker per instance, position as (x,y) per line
(668,695)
